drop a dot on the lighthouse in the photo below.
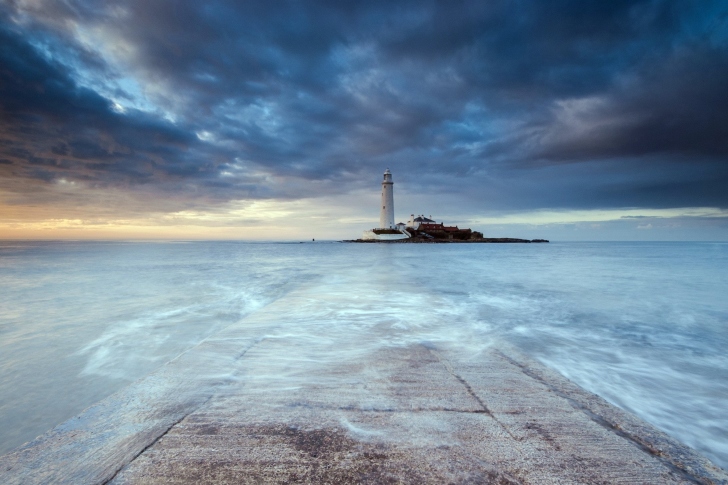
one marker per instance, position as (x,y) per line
(386,215)
(387,230)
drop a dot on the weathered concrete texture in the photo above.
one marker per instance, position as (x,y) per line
(415,415)
(411,414)
(93,446)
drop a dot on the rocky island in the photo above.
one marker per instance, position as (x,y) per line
(431,240)
(422,229)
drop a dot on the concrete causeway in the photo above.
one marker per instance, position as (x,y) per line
(414,413)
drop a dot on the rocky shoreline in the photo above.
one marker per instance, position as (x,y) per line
(422,240)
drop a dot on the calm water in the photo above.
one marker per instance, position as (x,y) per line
(645,325)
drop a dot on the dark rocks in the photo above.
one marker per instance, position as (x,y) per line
(424,239)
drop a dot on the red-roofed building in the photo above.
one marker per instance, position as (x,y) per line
(441,231)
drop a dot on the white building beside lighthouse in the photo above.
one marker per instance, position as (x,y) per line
(387,229)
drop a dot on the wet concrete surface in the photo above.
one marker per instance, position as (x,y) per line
(415,413)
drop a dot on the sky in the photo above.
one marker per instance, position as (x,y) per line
(260,120)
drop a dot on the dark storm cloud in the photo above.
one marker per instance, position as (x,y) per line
(671,110)
(568,104)
(51,123)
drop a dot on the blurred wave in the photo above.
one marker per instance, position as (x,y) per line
(642,324)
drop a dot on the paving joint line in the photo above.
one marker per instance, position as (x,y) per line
(610,426)
(469,389)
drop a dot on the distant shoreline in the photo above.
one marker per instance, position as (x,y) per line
(448,241)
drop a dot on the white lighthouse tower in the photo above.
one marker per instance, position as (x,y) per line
(387,230)
(386,215)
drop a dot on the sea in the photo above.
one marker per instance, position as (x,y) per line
(642,324)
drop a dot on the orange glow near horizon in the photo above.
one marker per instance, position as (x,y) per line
(237,220)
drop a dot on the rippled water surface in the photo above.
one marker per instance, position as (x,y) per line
(645,325)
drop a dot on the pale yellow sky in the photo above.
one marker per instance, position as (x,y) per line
(335,217)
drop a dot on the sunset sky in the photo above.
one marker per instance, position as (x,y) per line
(273,120)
